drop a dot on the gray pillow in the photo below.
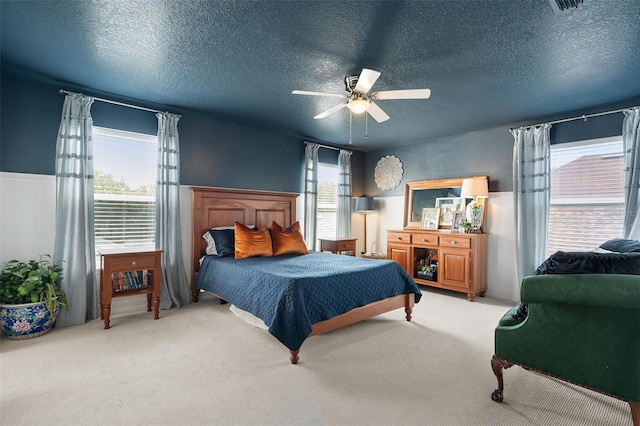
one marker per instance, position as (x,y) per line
(620,245)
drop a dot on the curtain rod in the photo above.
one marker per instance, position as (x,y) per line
(582,117)
(66,92)
(328,147)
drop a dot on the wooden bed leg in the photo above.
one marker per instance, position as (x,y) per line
(635,412)
(408,311)
(194,295)
(294,356)
(497,364)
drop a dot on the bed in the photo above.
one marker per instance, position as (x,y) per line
(290,292)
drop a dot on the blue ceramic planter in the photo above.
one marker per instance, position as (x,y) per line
(26,321)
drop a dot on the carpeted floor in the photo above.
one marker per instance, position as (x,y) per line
(203,365)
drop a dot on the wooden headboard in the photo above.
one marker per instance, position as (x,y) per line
(213,207)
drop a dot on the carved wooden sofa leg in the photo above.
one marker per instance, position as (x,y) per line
(497,364)
(635,412)
(294,356)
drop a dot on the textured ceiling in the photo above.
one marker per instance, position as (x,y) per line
(487,63)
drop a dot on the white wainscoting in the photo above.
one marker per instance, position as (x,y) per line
(27,217)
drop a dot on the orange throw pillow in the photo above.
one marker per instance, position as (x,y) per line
(250,243)
(287,241)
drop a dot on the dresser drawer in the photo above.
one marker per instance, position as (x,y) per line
(345,245)
(425,238)
(398,237)
(133,262)
(455,241)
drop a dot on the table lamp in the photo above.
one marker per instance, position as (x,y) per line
(475,188)
(364,204)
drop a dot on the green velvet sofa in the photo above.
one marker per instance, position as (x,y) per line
(581,328)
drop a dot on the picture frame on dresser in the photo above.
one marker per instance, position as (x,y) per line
(431,218)
(458,217)
(448,206)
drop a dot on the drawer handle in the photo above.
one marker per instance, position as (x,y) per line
(134,263)
(425,240)
(400,238)
(454,242)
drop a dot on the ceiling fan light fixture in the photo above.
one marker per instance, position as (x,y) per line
(358,105)
(358,99)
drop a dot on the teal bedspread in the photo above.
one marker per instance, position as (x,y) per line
(290,293)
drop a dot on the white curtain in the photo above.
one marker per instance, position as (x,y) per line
(631,146)
(531,190)
(74,234)
(175,288)
(310,194)
(343,220)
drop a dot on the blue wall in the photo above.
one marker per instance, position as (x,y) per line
(30,122)
(482,153)
(212,152)
(486,152)
(217,153)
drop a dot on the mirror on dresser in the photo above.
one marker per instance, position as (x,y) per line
(423,193)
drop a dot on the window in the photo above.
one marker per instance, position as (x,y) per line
(327,200)
(587,194)
(125,167)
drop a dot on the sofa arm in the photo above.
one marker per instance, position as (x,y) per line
(610,290)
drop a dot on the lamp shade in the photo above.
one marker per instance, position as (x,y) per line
(358,105)
(364,204)
(475,187)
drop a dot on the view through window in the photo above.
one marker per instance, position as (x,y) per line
(125,167)
(587,194)
(327,200)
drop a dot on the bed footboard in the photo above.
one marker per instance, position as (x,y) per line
(405,301)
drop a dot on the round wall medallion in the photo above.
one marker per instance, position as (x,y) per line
(388,173)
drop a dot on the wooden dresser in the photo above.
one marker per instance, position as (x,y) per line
(461,258)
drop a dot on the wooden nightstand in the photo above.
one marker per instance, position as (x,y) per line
(127,273)
(338,245)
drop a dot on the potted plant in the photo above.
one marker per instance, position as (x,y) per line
(428,272)
(30,297)
(465,226)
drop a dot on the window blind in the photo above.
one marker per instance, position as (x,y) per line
(124,220)
(587,194)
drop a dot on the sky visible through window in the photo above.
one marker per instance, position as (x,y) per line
(327,173)
(565,153)
(134,161)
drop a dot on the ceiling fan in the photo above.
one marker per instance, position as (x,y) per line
(358,100)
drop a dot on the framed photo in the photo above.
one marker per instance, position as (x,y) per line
(448,206)
(430,218)
(457,218)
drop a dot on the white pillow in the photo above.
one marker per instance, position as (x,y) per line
(601,250)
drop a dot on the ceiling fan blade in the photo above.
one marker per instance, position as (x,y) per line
(331,110)
(403,94)
(377,113)
(305,92)
(366,79)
